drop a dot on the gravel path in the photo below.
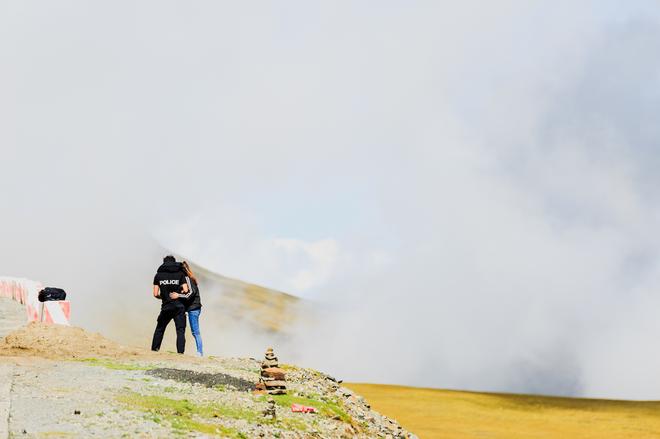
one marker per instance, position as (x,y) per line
(6,371)
(12,316)
(76,399)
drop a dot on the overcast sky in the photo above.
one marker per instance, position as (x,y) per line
(472,188)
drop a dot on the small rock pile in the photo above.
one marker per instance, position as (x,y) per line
(273,379)
(270,412)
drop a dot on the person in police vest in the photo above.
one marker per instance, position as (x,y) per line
(169,282)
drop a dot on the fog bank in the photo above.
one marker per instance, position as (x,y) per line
(468,191)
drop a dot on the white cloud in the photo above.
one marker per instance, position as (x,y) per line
(318,261)
(232,242)
(472,187)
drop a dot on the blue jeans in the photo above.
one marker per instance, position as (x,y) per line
(193,317)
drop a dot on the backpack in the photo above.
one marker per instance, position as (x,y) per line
(50,293)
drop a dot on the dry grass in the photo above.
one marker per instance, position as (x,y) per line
(432,413)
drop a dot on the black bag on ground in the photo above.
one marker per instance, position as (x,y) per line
(50,293)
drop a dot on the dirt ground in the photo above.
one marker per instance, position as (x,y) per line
(67,382)
(70,343)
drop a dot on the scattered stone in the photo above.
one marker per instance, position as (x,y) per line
(206,379)
(76,412)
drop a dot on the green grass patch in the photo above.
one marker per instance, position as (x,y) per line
(185,424)
(328,408)
(184,416)
(183,407)
(109,364)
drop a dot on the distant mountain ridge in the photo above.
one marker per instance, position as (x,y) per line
(263,308)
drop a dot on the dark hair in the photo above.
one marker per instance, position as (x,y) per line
(169,258)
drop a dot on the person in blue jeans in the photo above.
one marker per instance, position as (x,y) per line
(193,304)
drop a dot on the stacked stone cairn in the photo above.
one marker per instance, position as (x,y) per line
(273,379)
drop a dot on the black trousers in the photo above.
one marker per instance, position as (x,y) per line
(169,311)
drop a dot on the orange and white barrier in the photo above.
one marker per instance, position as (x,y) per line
(26,292)
(56,311)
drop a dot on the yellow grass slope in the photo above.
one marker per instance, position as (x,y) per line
(263,308)
(432,413)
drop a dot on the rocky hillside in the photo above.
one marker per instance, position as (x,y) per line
(66,382)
